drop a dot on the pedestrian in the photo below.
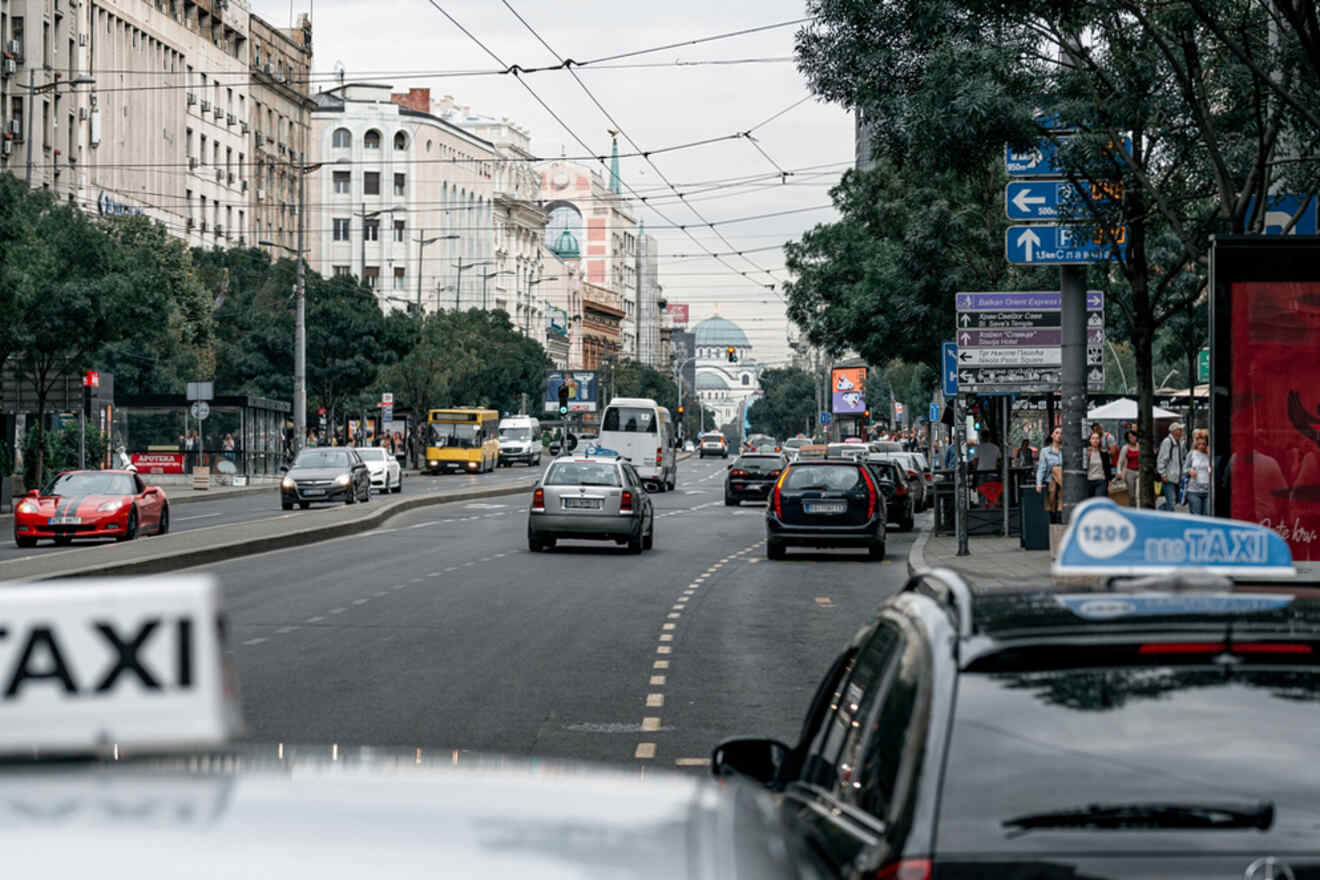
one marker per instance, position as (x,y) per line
(1024,457)
(950,456)
(1050,466)
(987,459)
(1129,464)
(1098,469)
(1198,473)
(227,446)
(1106,438)
(1169,464)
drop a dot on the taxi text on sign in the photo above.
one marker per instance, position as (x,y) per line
(131,662)
(1108,540)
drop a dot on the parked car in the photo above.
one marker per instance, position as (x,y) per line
(826,504)
(751,477)
(902,502)
(591,498)
(913,469)
(325,473)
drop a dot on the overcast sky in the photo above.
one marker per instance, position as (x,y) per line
(408,42)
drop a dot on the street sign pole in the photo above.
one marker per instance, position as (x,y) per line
(962,500)
(1072,294)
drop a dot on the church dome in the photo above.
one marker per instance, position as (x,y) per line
(709,381)
(718,331)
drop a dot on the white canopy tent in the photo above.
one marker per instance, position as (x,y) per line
(1125,410)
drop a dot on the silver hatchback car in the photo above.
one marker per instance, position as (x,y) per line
(590,498)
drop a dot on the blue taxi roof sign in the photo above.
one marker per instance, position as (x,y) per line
(1108,540)
(601,452)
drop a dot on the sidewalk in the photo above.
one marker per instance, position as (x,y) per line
(993,562)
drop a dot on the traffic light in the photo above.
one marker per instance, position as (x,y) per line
(680,409)
(733,354)
(563,400)
(866,417)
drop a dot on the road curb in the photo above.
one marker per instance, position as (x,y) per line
(159,564)
(916,560)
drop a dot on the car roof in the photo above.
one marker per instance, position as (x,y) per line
(228,815)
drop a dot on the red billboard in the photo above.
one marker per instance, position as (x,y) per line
(679,313)
(158,462)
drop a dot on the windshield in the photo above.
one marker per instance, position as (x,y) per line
(91,483)
(463,435)
(1129,735)
(629,420)
(581,473)
(372,454)
(827,477)
(515,433)
(322,458)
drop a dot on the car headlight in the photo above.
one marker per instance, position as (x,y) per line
(27,507)
(343,479)
(288,483)
(109,506)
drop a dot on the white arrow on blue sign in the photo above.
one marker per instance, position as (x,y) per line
(1046,200)
(934,412)
(1041,160)
(1057,245)
(949,351)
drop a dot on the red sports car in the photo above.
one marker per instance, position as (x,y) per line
(91,504)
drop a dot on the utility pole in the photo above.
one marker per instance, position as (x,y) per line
(300,326)
(637,285)
(421,244)
(1072,292)
(27,123)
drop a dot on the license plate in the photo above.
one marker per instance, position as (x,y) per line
(313,491)
(582,504)
(65,521)
(825,507)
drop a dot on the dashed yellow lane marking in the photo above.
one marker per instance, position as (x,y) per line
(650,723)
(692,762)
(645,750)
(657,681)
(654,701)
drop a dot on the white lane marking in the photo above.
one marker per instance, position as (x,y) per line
(338,610)
(667,637)
(285,630)
(196,516)
(692,762)
(673,615)
(660,664)
(669,625)
(664,649)
(651,722)
(415,581)
(380,594)
(316,619)
(361,601)
(256,641)
(434,522)
(645,750)
(657,681)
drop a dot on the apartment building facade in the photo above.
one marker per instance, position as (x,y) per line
(280,66)
(404,200)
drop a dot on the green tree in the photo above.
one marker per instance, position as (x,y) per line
(346,336)
(787,405)
(504,365)
(943,85)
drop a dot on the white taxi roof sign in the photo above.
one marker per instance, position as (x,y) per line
(1108,540)
(132,662)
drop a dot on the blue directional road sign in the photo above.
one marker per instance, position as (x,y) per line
(1057,245)
(1279,211)
(949,351)
(1040,160)
(934,412)
(826,418)
(1047,200)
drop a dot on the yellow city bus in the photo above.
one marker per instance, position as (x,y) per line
(464,439)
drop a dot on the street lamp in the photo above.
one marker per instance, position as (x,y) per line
(32,90)
(485,279)
(300,309)
(371,215)
(422,242)
(530,284)
(458,288)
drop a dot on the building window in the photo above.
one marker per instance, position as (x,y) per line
(371,140)
(341,229)
(371,230)
(342,138)
(371,183)
(746,379)
(398,230)
(400,184)
(342,271)
(342,182)
(400,141)
(371,274)
(398,278)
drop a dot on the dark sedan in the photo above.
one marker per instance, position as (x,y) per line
(325,474)
(902,500)
(751,477)
(826,504)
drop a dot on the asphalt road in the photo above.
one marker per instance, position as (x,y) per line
(441,631)
(252,508)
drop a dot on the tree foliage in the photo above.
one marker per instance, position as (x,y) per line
(787,406)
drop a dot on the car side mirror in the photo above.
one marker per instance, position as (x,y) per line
(764,760)
(33,493)
(284,468)
(151,490)
(729,466)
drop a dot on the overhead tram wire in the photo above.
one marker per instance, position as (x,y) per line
(645,155)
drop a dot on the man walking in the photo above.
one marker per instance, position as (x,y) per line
(1169,465)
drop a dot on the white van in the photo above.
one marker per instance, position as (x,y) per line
(520,440)
(641,431)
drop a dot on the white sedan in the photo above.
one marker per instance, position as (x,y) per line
(386,475)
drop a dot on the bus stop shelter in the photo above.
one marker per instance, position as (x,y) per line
(240,434)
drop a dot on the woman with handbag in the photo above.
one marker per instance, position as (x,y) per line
(1098,471)
(1051,463)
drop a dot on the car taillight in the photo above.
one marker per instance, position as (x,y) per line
(901,489)
(870,494)
(538,499)
(659,456)
(913,475)
(737,473)
(779,511)
(907,869)
(626,502)
(774,474)
(1219,647)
